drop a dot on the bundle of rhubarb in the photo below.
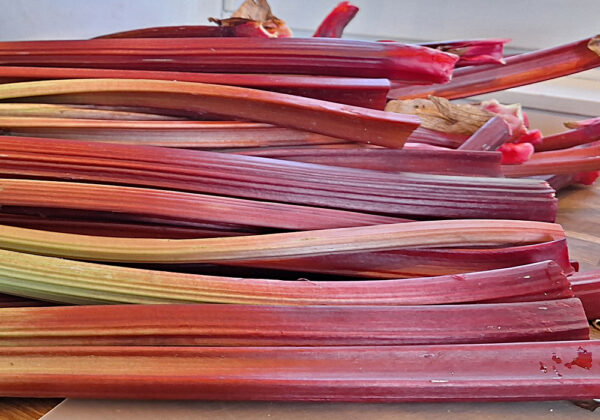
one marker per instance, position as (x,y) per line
(325,226)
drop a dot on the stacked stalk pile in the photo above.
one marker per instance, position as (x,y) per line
(173,229)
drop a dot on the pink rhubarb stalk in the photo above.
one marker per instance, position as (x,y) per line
(519,70)
(442,162)
(490,136)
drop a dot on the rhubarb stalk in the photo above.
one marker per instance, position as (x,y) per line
(586,287)
(401,195)
(581,132)
(464,372)
(316,56)
(173,206)
(121,227)
(33,110)
(447,233)
(250,325)
(473,52)
(66,281)
(518,70)
(328,118)
(565,161)
(490,136)
(186,134)
(366,92)
(442,162)
(416,262)
(334,23)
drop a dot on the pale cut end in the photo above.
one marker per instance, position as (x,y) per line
(594,44)
(582,123)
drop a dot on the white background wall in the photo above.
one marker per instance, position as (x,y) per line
(530,23)
(64,19)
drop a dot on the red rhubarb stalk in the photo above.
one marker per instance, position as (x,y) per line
(321,117)
(252,325)
(473,52)
(316,56)
(334,23)
(519,70)
(464,372)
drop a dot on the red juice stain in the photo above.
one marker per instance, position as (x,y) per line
(556,371)
(583,359)
(543,368)
(556,359)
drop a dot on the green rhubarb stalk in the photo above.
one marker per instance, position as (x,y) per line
(447,233)
(75,282)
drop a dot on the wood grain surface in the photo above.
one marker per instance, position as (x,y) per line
(579,213)
(25,408)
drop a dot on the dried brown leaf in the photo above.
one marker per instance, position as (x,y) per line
(258,10)
(442,115)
